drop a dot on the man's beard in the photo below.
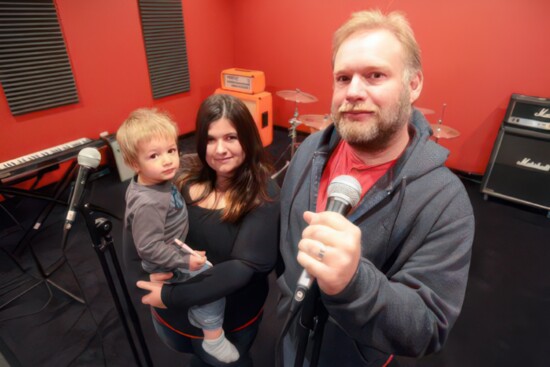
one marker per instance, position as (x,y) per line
(378,133)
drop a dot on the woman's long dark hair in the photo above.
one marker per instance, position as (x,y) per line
(248,186)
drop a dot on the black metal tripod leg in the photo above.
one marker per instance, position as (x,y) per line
(118,305)
(44,274)
(41,218)
(100,232)
(131,309)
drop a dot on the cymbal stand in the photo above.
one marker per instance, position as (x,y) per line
(294,122)
(440,121)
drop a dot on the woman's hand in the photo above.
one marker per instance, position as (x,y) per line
(154,287)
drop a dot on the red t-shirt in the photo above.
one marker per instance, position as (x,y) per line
(344,161)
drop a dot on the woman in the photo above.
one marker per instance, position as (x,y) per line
(233,216)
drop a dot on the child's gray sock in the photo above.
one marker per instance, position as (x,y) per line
(221,349)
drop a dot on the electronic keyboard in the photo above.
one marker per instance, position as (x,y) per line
(34,162)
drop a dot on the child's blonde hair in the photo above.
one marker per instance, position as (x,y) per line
(143,125)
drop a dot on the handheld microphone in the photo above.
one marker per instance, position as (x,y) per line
(88,159)
(344,192)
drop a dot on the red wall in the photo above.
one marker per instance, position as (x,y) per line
(475,54)
(106,49)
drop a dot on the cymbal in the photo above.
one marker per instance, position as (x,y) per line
(444,132)
(317,122)
(296,96)
(425,111)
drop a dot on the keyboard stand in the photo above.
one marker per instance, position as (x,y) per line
(44,274)
(15,224)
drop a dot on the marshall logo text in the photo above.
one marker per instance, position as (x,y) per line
(543,113)
(527,162)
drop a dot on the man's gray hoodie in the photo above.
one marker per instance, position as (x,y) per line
(417,228)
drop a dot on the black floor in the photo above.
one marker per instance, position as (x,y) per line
(504,322)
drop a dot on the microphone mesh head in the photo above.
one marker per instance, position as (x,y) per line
(345,188)
(89,157)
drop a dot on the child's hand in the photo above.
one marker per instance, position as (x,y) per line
(197,262)
(194,254)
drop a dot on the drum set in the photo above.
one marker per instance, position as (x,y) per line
(321,121)
(314,122)
(440,131)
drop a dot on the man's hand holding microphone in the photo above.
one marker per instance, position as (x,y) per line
(330,248)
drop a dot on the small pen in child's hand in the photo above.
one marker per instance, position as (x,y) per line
(189,250)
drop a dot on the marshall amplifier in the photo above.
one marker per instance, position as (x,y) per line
(519,167)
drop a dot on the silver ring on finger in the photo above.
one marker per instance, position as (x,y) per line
(321,253)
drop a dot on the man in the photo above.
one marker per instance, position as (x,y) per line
(392,275)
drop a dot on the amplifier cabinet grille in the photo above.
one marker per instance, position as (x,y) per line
(519,167)
(260,106)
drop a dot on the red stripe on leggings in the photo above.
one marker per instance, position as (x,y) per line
(163,322)
(388,361)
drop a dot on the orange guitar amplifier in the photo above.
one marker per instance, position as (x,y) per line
(243,80)
(260,106)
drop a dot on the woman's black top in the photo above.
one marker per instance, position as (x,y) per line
(243,254)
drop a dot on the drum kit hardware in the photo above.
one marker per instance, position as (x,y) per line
(444,132)
(316,122)
(296,96)
(441,131)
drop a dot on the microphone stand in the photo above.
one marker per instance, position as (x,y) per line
(310,325)
(100,232)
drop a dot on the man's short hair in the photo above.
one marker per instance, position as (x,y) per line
(394,22)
